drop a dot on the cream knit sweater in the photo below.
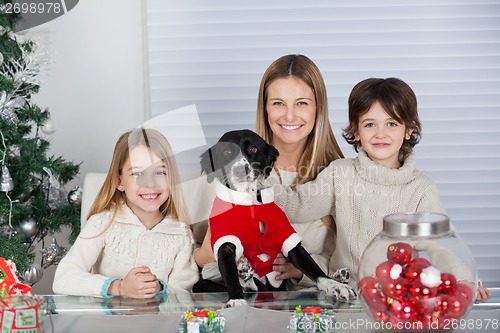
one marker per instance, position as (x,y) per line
(358,193)
(101,253)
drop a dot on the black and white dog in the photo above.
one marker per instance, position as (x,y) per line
(245,221)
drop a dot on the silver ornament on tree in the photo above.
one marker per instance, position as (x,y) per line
(33,274)
(8,230)
(56,194)
(29,227)
(49,127)
(8,105)
(53,254)
(6,182)
(75,197)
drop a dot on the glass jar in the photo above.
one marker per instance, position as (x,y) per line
(417,274)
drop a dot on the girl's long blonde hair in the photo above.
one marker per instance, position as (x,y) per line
(110,197)
(321,146)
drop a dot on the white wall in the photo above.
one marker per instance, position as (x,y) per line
(93,86)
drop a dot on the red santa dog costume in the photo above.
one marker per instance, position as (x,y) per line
(259,231)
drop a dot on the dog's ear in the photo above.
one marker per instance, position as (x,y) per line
(207,164)
(272,155)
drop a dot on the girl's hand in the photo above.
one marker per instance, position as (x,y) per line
(140,283)
(286,268)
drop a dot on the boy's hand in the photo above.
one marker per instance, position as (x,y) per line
(482,293)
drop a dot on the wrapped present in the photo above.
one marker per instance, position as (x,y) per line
(202,321)
(21,314)
(311,319)
(9,283)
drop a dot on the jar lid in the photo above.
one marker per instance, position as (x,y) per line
(416,224)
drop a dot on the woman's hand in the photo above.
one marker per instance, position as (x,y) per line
(204,254)
(139,283)
(286,268)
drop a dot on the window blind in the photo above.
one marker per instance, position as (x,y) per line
(213,54)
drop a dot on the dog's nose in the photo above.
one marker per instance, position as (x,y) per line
(241,171)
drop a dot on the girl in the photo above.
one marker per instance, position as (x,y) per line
(136,242)
(383,128)
(292,115)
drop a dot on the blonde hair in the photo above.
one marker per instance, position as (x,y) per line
(321,146)
(110,197)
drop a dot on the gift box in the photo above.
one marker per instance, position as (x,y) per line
(202,321)
(311,319)
(21,314)
(9,283)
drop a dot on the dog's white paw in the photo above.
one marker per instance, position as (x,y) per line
(336,289)
(232,303)
(245,270)
(249,285)
(341,275)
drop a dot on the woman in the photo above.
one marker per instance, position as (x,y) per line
(292,115)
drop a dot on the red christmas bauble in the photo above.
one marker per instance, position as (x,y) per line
(399,253)
(427,307)
(404,311)
(431,321)
(397,289)
(448,283)
(414,268)
(465,290)
(371,291)
(388,270)
(419,291)
(452,306)
(380,315)
(367,280)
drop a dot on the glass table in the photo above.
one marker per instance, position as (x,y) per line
(179,303)
(267,312)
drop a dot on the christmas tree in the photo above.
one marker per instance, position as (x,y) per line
(33,201)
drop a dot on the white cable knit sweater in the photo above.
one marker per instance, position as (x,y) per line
(358,193)
(94,257)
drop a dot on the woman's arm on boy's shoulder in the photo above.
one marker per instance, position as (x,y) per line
(310,201)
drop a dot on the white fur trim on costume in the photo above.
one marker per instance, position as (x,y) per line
(242,198)
(264,257)
(271,277)
(229,239)
(267,195)
(290,243)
